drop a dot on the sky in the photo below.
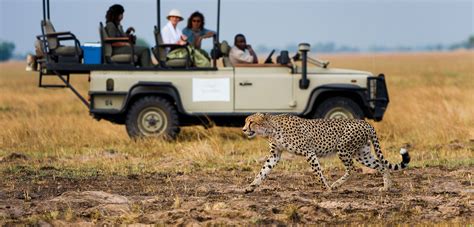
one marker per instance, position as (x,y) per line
(273,23)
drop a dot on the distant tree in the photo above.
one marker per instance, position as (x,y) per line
(470,42)
(347,49)
(325,47)
(6,50)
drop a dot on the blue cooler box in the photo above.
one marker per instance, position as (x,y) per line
(92,53)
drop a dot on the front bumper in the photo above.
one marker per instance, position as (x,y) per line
(378,95)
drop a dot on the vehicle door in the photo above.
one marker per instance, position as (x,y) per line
(263,88)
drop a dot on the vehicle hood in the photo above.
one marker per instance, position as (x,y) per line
(318,70)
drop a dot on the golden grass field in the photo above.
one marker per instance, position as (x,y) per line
(431,108)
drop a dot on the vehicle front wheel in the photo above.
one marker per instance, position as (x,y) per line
(152,116)
(339,108)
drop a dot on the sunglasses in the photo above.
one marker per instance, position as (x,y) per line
(197,21)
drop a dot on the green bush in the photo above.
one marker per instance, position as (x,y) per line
(6,50)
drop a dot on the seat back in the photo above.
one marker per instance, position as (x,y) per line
(48,28)
(105,47)
(159,52)
(225,50)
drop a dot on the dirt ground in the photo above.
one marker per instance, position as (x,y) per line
(419,195)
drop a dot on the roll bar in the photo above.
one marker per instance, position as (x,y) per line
(46,14)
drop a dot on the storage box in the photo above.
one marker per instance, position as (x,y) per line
(92,53)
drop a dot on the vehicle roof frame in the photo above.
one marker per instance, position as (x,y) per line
(47,16)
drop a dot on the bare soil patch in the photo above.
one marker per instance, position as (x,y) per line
(420,195)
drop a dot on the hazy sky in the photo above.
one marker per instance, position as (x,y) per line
(358,23)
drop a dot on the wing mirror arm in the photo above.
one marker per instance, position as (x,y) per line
(303,49)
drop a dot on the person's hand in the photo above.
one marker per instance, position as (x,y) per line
(208,35)
(249,46)
(130,30)
(184,38)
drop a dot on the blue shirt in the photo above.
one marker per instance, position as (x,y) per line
(190,34)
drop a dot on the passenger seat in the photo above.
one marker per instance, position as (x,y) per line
(225,50)
(107,52)
(160,52)
(55,50)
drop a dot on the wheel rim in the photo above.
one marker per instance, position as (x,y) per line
(339,113)
(152,121)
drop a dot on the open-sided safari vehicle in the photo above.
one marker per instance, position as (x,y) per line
(157,101)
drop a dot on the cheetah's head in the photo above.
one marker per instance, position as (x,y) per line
(257,124)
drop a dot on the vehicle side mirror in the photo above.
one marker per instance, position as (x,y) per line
(303,48)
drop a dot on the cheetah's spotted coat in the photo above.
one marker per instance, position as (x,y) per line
(350,139)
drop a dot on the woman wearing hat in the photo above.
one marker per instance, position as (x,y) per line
(170,34)
(114,29)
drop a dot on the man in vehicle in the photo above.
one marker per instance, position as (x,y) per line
(242,53)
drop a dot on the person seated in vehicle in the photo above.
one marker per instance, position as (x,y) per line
(114,29)
(241,52)
(170,34)
(195,30)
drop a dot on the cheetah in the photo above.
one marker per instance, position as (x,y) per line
(349,138)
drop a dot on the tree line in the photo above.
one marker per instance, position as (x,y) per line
(331,47)
(7,48)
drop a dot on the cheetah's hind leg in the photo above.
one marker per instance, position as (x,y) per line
(365,157)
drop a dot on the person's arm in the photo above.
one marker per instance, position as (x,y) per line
(113,32)
(254,55)
(207,33)
(183,39)
(238,56)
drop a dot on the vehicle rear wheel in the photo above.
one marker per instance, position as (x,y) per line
(339,108)
(152,116)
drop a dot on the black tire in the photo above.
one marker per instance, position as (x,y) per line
(339,108)
(152,116)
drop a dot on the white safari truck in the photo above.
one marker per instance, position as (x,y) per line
(158,100)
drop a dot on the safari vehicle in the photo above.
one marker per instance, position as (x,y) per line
(157,101)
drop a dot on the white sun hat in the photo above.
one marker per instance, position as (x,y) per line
(175,13)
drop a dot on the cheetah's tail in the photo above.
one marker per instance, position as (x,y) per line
(378,151)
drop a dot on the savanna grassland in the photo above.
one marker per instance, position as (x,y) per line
(60,166)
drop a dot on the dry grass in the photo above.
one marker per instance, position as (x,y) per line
(431,98)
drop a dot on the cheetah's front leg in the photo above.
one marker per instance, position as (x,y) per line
(271,161)
(346,159)
(312,159)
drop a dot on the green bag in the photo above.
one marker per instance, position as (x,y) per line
(199,57)
(178,53)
